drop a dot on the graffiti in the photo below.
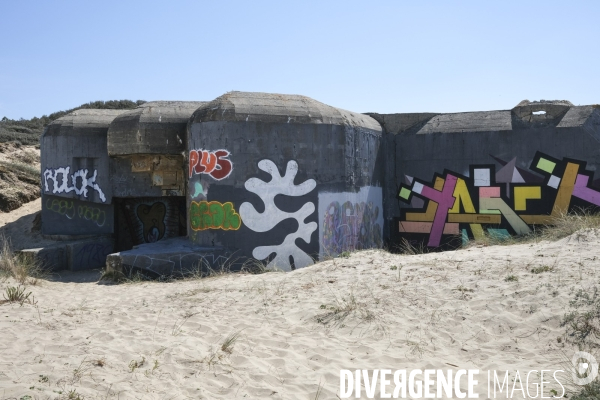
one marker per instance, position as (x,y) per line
(502,203)
(152,218)
(92,214)
(62,175)
(213,163)
(351,226)
(92,254)
(213,215)
(350,220)
(265,221)
(200,190)
(62,207)
(86,212)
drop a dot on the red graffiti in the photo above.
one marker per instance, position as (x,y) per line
(213,163)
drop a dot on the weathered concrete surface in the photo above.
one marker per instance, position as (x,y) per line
(89,254)
(303,149)
(170,257)
(61,216)
(425,144)
(51,258)
(74,160)
(157,127)
(148,220)
(73,255)
(147,146)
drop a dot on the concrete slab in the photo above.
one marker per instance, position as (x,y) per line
(74,255)
(52,258)
(169,257)
(89,254)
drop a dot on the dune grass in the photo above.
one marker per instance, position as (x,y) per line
(24,268)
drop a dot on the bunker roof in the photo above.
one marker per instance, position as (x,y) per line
(278,108)
(157,127)
(526,115)
(82,122)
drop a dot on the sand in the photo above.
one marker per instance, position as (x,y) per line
(153,340)
(17,226)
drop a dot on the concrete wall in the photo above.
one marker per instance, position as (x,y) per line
(75,168)
(274,176)
(74,159)
(504,146)
(146,146)
(61,216)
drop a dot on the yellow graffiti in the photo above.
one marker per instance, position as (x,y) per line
(63,207)
(67,208)
(92,214)
(524,193)
(461,194)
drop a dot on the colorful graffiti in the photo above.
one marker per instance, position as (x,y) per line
(350,220)
(351,226)
(80,182)
(265,221)
(507,202)
(214,215)
(68,209)
(151,219)
(213,163)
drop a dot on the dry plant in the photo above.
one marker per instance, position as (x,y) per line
(178,325)
(567,224)
(582,329)
(408,248)
(24,268)
(582,323)
(349,306)
(416,347)
(82,370)
(255,267)
(135,364)
(559,227)
(229,342)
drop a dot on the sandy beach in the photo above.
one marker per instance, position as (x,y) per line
(293,332)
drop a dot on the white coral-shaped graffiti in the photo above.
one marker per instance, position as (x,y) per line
(263,222)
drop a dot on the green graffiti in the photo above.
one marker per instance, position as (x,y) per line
(214,215)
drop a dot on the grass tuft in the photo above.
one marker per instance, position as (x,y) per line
(542,269)
(18,265)
(567,224)
(18,295)
(229,342)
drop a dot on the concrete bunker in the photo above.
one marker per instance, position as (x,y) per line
(285,180)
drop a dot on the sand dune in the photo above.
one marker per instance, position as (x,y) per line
(296,330)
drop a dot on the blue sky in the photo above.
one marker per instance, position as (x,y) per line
(387,56)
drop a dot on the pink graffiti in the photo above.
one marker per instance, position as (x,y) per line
(582,190)
(213,163)
(445,200)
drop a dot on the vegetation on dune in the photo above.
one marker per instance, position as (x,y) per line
(28,131)
(24,268)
